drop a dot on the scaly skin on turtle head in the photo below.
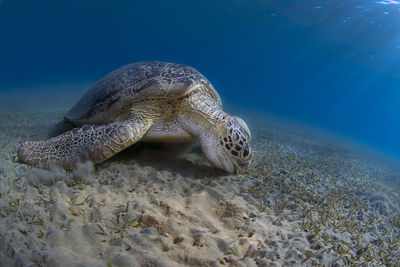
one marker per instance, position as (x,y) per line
(227,145)
(234,139)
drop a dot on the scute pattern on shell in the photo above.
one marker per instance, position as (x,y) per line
(134,82)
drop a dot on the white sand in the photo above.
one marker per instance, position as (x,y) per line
(304,201)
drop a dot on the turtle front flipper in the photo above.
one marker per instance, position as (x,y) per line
(90,142)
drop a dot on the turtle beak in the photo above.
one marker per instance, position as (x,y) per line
(240,165)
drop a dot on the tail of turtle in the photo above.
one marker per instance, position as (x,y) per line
(94,143)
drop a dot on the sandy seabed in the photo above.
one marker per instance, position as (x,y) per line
(308,199)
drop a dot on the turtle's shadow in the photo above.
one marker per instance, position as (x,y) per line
(184,159)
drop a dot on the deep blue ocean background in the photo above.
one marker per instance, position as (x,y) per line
(332,64)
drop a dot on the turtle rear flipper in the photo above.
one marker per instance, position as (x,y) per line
(94,143)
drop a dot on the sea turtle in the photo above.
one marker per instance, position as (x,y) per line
(145,101)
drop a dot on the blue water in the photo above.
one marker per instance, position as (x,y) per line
(332,64)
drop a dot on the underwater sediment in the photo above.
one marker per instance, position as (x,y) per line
(305,200)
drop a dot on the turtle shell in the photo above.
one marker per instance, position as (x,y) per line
(134,82)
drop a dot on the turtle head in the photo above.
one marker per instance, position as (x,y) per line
(231,150)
